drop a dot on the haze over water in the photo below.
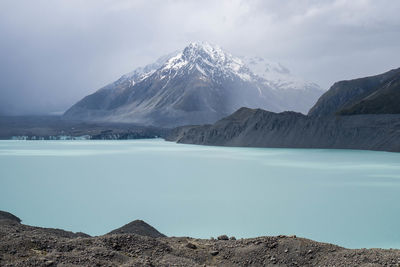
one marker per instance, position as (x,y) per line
(345,197)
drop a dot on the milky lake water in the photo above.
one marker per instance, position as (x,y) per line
(346,197)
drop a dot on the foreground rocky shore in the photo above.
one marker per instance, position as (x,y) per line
(139,244)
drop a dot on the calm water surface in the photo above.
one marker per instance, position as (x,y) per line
(346,197)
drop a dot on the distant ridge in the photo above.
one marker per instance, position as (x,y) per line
(260,128)
(373,101)
(379,94)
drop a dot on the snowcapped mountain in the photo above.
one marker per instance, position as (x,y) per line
(200,84)
(276,75)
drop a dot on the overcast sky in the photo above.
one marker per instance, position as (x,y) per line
(54,52)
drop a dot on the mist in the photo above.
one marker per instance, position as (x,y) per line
(53,53)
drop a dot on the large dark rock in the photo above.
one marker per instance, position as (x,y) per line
(223,237)
(4,215)
(138,227)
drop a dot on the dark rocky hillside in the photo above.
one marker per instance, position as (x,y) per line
(23,245)
(373,101)
(138,227)
(4,215)
(385,100)
(260,128)
(371,95)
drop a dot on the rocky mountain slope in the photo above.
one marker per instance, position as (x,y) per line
(200,84)
(375,124)
(138,227)
(4,215)
(378,94)
(23,245)
(385,100)
(260,128)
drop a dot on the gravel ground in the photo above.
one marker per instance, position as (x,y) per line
(23,245)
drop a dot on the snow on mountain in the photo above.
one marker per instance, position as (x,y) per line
(208,59)
(199,84)
(142,73)
(276,75)
(212,57)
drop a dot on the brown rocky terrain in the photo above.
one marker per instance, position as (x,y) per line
(23,245)
(138,227)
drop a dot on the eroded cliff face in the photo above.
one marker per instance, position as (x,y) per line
(260,128)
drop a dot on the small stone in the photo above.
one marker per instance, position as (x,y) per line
(286,250)
(214,253)
(309,251)
(191,245)
(232,238)
(49,263)
(223,237)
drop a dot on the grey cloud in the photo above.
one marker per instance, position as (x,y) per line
(52,53)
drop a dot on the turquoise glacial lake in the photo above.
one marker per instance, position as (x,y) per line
(347,197)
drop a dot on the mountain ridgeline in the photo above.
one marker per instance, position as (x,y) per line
(374,124)
(200,84)
(378,94)
(236,101)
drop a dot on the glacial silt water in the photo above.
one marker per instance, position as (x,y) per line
(347,197)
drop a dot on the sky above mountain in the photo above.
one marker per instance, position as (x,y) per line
(52,53)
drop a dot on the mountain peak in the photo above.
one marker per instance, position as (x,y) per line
(208,60)
(210,52)
(199,84)
(204,46)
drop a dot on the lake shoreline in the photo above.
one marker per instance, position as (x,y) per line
(57,128)
(258,129)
